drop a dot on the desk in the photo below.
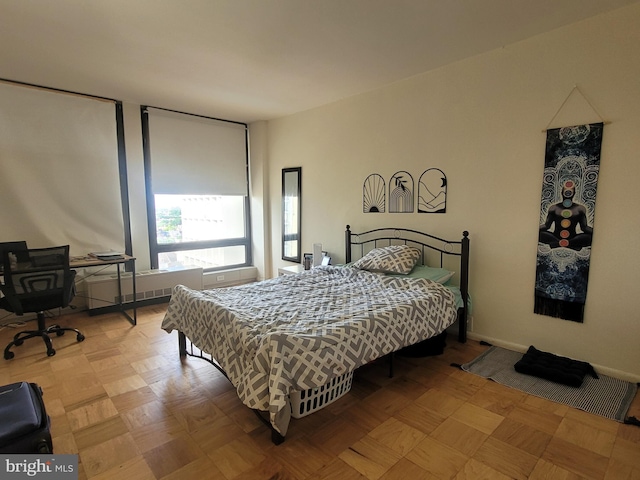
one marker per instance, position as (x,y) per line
(89,261)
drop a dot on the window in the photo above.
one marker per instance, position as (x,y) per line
(196,170)
(62,161)
(184,219)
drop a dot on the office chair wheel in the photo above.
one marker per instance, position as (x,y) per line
(17,343)
(59,333)
(43,447)
(80,337)
(8,355)
(51,352)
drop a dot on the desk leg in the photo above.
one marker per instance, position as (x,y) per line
(120,299)
(135,294)
(134,319)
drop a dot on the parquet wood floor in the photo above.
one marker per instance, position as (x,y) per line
(130,408)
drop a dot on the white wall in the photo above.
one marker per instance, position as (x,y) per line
(259,188)
(481,121)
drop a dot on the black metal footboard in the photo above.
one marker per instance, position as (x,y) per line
(186,348)
(189,349)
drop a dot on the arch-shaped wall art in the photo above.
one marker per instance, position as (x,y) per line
(373,194)
(401,193)
(432,191)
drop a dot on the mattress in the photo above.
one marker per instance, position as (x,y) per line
(297,332)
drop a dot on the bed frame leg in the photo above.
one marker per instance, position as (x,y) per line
(462,325)
(276,438)
(182,344)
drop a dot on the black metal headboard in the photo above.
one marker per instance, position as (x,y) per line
(429,245)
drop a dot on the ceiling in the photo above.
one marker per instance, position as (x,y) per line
(249,60)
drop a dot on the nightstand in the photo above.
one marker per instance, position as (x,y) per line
(290,270)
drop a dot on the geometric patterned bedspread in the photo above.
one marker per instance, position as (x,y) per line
(297,332)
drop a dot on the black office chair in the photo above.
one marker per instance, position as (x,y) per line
(43,282)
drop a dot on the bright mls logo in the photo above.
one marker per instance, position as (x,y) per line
(51,467)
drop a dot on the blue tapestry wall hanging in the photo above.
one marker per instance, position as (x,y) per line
(571,169)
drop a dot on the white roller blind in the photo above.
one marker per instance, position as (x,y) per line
(59,176)
(195,155)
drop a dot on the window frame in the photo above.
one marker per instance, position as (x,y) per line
(154,247)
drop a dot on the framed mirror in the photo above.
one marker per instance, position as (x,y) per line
(291,213)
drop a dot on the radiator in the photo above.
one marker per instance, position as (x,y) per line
(102,290)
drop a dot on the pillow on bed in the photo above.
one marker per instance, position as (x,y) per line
(440,275)
(392,259)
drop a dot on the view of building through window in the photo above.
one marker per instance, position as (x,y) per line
(200,218)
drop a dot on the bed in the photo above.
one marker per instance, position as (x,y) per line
(297,333)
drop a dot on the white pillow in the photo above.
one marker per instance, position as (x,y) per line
(392,259)
(439,275)
(445,278)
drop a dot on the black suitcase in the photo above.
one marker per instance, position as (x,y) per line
(24,423)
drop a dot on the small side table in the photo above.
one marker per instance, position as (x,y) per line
(291,270)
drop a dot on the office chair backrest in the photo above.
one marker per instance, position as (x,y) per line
(42,282)
(19,249)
